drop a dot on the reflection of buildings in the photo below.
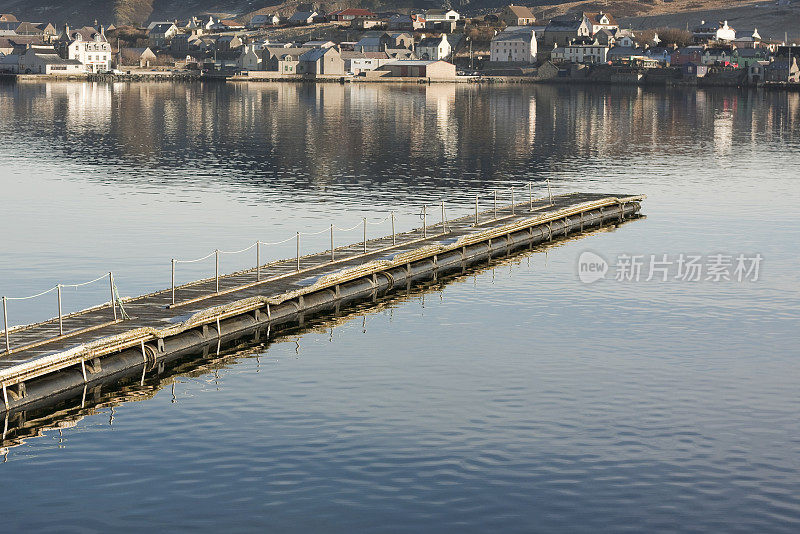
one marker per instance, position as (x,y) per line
(298,135)
(440,100)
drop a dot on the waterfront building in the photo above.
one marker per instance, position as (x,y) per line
(516,44)
(590,54)
(87,45)
(358,62)
(417,68)
(322,61)
(45,60)
(744,57)
(783,70)
(434,48)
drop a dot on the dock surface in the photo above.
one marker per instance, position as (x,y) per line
(39,349)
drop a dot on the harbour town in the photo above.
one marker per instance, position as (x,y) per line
(434,45)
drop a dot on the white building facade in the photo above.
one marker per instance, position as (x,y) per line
(515,44)
(434,48)
(586,54)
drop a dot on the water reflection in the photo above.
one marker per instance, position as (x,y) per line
(65,410)
(302,135)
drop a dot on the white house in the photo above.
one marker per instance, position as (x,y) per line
(250,58)
(357,62)
(600,21)
(434,48)
(44,60)
(436,15)
(300,18)
(161,34)
(515,44)
(264,20)
(580,53)
(87,46)
(713,32)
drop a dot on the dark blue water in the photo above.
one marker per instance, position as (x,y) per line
(517,398)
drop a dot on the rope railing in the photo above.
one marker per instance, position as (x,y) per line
(115,299)
(365,222)
(332,227)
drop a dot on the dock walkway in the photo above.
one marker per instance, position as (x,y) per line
(38,350)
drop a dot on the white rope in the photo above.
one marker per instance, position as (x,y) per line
(280,242)
(85,283)
(198,259)
(33,296)
(348,229)
(381,221)
(237,251)
(56,287)
(328,229)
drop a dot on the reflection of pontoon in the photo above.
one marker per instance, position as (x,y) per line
(142,382)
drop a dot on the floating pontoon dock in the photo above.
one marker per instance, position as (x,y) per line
(50,357)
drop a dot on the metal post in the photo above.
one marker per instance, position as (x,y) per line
(298,251)
(549,193)
(216,268)
(365,235)
(394,240)
(530,195)
(476,210)
(512,201)
(424,221)
(258,261)
(495,204)
(173,280)
(60,317)
(332,255)
(444,226)
(5,325)
(113,300)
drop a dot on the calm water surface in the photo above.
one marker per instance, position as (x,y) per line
(514,399)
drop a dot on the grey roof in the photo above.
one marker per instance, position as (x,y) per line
(301,15)
(293,52)
(514,33)
(55,59)
(430,41)
(625,51)
(414,62)
(316,54)
(364,55)
(751,52)
(369,41)
(161,28)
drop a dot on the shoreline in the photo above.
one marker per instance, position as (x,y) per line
(265,77)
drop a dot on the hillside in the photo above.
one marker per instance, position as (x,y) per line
(771,20)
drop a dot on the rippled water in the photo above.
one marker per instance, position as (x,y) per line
(515,399)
